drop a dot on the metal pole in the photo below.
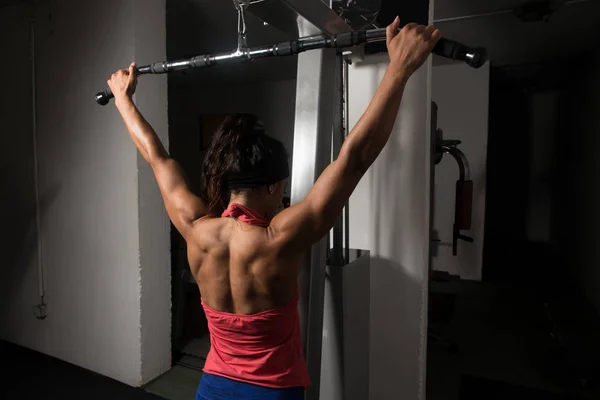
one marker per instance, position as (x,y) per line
(36,169)
(336,278)
(293,47)
(240,6)
(337,259)
(346,128)
(461,160)
(40,308)
(446,48)
(315,85)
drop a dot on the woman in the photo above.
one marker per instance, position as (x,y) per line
(245,258)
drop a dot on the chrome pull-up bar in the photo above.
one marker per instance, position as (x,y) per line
(475,57)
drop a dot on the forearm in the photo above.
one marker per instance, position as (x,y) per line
(374,128)
(142,134)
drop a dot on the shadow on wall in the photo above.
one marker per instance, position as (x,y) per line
(19,246)
(397,319)
(398,263)
(389,215)
(397,313)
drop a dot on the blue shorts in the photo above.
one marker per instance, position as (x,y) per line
(213,387)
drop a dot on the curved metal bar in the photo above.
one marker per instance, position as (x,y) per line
(461,160)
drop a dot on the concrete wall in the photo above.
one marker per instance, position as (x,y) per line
(154,225)
(462,96)
(19,273)
(389,215)
(104,237)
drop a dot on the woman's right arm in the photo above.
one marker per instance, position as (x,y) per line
(183,206)
(306,222)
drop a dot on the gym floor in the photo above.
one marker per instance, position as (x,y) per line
(179,383)
(27,374)
(496,345)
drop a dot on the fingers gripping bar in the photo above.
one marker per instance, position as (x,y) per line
(475,57)
(162,67)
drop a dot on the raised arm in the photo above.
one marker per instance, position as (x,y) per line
(183,207)
(306,222)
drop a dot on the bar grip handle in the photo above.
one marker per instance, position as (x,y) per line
(286,48)
(473,56)
(104,96)
(349,39)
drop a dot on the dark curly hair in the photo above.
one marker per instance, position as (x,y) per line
(240,157)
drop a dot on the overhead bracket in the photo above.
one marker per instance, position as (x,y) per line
(242,43)
(285,15)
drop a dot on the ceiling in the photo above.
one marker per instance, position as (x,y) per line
(5,3)
(569,32)
(453,8)
(209,26)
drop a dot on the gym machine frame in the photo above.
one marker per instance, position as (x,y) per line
(463,201)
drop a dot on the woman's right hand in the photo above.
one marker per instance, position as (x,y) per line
(410,46)
(123,82)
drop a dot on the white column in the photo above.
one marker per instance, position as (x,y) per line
(312,153)
(154,225)
(390,216)
(105,240)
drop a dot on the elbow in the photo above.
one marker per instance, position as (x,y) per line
(154,152)
(155,159)
(356,158)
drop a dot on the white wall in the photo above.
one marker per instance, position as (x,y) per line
(105,255)
(154,226)
(389,215)
(462,96)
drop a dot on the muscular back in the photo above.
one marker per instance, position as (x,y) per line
(240,268)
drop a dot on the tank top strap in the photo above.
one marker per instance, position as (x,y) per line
(246,215)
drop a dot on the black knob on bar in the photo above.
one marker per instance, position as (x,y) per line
(473,56)
(104,97)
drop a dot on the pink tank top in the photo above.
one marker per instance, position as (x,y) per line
(264,348)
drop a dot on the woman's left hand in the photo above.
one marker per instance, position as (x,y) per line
(123,82)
